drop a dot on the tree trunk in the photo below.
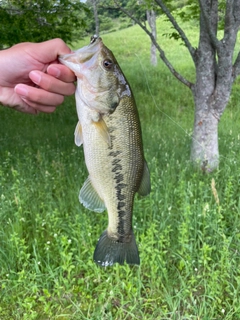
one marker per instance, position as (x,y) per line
(204,151)
(210,99)
(211,91)
(151,18)
(95,12)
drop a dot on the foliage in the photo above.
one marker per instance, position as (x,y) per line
(110,17)
(190,12)
(41,20)
(106,22)
(187,229)
(107,8)
(110,14)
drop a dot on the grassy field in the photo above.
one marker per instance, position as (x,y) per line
(188,229)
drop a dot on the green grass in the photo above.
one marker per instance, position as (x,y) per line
(188,229)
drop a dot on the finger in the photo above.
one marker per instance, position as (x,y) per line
(24,107)
(11,99)
(51,84)
(38,96)
(61,72)
(49,50)
(36,108)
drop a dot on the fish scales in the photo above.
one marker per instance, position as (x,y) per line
(120,165)
(109,129)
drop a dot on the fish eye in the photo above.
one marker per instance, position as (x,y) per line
(107,63)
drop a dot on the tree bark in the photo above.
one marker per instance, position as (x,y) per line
(212,89)
(151,17)
(204,151)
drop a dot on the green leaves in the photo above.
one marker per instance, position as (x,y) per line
(40,20)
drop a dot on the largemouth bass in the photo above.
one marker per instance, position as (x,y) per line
(110,132)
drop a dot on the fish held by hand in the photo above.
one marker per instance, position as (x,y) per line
(110,132)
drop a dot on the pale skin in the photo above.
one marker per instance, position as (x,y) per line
(31,78)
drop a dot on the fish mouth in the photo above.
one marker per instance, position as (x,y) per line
(94,38)
(83,54)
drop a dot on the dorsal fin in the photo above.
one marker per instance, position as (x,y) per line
(145,185)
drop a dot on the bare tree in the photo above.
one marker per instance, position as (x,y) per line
(216,71)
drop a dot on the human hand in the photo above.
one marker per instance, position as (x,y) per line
(32,79)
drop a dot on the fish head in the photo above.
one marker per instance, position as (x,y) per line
(101,83)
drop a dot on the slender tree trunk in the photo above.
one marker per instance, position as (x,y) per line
(95,12)
(151,17)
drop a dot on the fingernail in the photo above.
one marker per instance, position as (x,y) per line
(35,77)
(53,71)
(22,91)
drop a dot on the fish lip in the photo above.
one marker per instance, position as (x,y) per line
(85,53)
(94,38)
(63,57)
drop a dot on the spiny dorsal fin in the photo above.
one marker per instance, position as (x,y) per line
(145,185)
(89,197)
(78,134)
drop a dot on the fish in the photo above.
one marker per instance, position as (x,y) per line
(109,129)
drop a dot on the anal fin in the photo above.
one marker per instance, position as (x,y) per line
(89,198)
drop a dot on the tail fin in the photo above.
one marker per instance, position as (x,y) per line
(109,251)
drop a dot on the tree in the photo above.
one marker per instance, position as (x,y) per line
(151,18)
(96,19)
(142,11)
(215,68)
(39,20)
(104,15)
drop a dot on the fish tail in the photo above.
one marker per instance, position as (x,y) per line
(109,251)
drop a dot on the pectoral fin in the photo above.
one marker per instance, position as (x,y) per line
(89,197)
(78,134)
(145,186)
(103,130)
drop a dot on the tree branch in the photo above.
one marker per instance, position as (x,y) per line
(162,53)
(207,18)
(235,13)
(232,22)
(178,28)
(236,67)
